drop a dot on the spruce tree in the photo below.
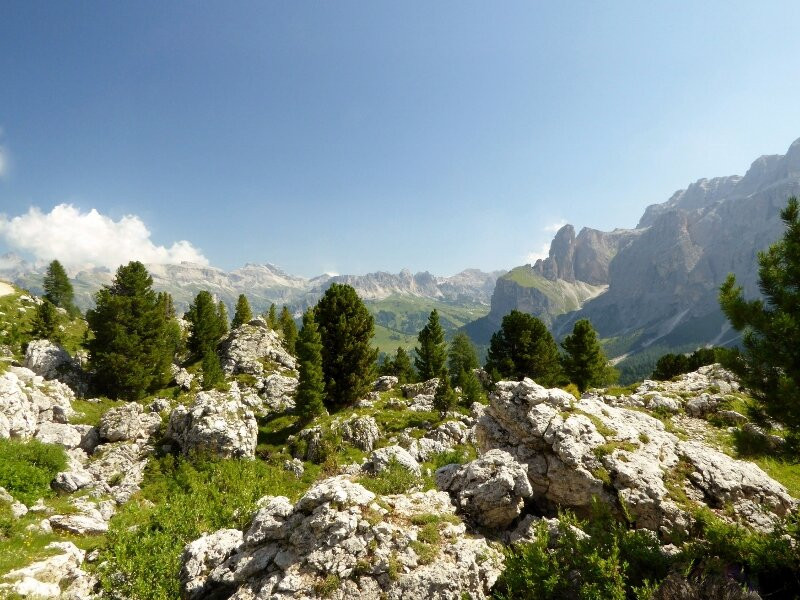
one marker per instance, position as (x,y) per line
(348,360)
(471,388)
(403,369)
(46,321)
(524,348)
(205,325)
(173,334)
(445,398)
(58,289)
(272,317)
(462,356)
(432,350)
(310,395)
(584,363)
(213,375)
(243,314)
(289,330)
(224,320)
(129,351)
(770,363)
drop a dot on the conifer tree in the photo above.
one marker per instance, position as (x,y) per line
(432,350)
(58,289)
(289,330)
(348,360)
(462,356)
(524,348)
(770,363)
(46,321)
(212,370)
(173,334)
(584,363)
(272,317)
(403,369)
(310,395)
(206,327)
(224,320)
(471,388)
(129,351)
(445,398)
(243,314)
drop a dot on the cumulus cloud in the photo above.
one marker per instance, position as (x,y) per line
(83,240)
(553,227)
(535,255)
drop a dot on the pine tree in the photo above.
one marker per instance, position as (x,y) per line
(403,369)
(445,398)
(272,317)
(471,388)
(584,363)
(243,314)
(524,348)
(213,375)
(173,334)
(310,395)
(129,351)
(348,360)
(58,289)
(46,321)
(432,350)
(289,330)
(462,356)
(770,364)
(224,320)
(206,327)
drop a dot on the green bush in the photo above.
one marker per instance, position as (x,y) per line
(27,468)
(191,498)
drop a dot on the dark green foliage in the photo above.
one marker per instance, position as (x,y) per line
(462,356)
(524,348)
(399,366)
(471,388)
(346,328)
(432,350)
(289,330)
(58,289)
(213,375)
(222,313)
(584,363)
(672,365)
(130,352)
(206,327)
(27,468)
(311,385)
(173,334)
(770,364)
(445,398)
(272,317)
(243,314)
(45,322)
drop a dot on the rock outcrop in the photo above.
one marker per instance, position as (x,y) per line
(27,402)
(361,432)
(339,537)
(247,348)
(128,422)
(51,361)
(59,576)
(217,422)
(577,450)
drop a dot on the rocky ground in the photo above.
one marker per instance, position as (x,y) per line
(392,499)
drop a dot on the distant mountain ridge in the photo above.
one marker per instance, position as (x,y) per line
(660,279)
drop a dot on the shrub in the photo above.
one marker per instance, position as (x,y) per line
(395,479)
(27,468)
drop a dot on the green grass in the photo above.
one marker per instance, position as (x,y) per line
(564,296)
(393,480)
(27,468)
(145,541)
(89,413)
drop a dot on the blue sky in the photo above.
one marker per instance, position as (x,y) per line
(358,136)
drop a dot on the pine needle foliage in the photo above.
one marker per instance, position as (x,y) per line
(242,314)
(584,363)
(309,398)
(289,330)
(431,353)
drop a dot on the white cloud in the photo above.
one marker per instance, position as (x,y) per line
(553,227)
(84,240)
(542,253)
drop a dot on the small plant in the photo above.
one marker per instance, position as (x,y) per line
(27,468)
(326,587)
(395,479)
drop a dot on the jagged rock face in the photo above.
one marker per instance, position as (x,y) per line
(217,422)
(491,489)
(245,349)
(361,432)
(277,392)
(27,401)
(45,358)
(340,529)
(577,450)
(58,576)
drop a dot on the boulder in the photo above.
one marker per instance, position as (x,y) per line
(278,392)
(61,434)
(57,576)
(182,377)
(385,383)
(247,348)
(361,431)
(491,490)
(340,529)
(18,509)
(51,361)
(381,458)
(128,422)
(27,400)
(217,422)
(79,524)
(428,388)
